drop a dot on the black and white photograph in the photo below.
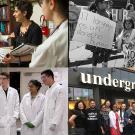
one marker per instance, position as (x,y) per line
(102,33)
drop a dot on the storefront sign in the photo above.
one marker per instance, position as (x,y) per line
(94,29)
(107,81)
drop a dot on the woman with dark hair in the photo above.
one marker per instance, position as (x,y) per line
(30,108)
(130,7)
(26,31)
(104,120)
(126,41)
(53,52)
(77,120)
(108,105)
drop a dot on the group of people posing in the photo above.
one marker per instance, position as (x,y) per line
(108,120)
(39,114)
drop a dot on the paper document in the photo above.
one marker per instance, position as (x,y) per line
(4,52)
(22,50)
(4,38)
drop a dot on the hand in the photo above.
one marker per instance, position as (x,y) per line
(8,59)
(130,121)
(12,35)
(103,132)
(29,125)
(52,127)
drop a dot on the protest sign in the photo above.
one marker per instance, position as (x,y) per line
(94,29)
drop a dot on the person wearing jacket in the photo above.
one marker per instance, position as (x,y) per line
(9,106)
(30,107)
(114,121)
(130,121)
(104,120)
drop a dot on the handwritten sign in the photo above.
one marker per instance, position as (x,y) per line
(94,29)
(129,54)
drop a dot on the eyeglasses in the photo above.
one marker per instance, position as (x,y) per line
(43,77)
(40,2)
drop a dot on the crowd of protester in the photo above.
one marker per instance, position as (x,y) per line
(109,119)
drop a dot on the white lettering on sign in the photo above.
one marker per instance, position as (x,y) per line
(107,81)
(94,29)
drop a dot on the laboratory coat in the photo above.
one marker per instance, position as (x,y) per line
(9,111)
(55,111)
(53,52)
(112,117)
(29,111)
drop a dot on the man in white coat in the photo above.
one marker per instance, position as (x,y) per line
(9,107)
(55,112)
(53,52)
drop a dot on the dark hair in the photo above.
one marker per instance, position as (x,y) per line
(102,106)
(62,6)
(92,100)
(5,74)
(93,7)
(130,20)
(76,105)
(25,6)
(48,73)
(129,6)
(36,83)
(98,1)
(107,101)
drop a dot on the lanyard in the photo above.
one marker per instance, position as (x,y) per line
(56,28)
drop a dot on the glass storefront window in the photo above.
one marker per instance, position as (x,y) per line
(80,93)
(75,94)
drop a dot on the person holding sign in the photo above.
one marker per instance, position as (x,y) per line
(126,42)
(101,54)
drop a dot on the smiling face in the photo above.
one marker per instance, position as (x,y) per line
(32,88)
(46,79)
(92,104)
(81,106)
(114,107)
(128,25)
(19,16)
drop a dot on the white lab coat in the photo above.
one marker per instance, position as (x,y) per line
(9,111)
(55,111)
(53,52)
(112,119)
(29,111)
